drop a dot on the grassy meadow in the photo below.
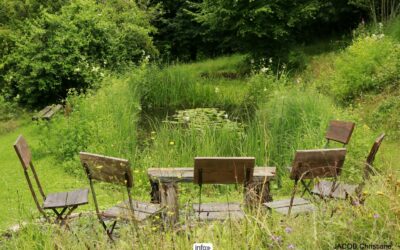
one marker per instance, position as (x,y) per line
(269,114)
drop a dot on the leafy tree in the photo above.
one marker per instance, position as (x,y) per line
(53,52)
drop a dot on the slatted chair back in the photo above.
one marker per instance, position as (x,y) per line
(339,131)
(321,163)
(110,170)
(311,164)
(223,170)
(368,167)
(107,169)
(24,154)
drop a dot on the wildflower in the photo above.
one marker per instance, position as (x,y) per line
(277,239)
(136,171)
(265,89)
(216,90)
(252,61)
(264,69)
(291,246)
(154,228)
(226,116)
(153,132)
(186,118)
(153,138)
(365,193)
(270,60)
(379,193)
(171,143)
(376,216)
(288,230)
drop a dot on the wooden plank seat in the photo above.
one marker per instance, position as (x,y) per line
(299,205)
(218,211)
(66,199)
(48,112)
(142,211)
(117,171)
(62,203)
(221,170)
(338,190)
(309,164)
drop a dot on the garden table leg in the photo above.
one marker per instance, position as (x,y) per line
(169,199)
(257,193)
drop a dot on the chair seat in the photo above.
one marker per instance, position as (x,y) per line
(66,199)
(218,211)
(300,205)
(142,210)
(341,191)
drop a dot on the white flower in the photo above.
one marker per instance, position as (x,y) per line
(252,61)
(186,118)
(265,89)
(270,60)
(264,69)
(216,90)
(226,116)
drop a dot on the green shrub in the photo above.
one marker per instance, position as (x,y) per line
(54,52)
(371,63)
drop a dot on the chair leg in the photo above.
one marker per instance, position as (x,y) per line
(306,187)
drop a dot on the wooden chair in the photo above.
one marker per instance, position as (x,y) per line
(221,170)
(343,190)
(339,131)
(309,164)
(63,203)
(117,171)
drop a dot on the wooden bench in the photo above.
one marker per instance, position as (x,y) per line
(165,189)
(48,112)
(117,171)
(309,164)
(63,203)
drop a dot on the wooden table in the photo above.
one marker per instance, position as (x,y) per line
(164,188)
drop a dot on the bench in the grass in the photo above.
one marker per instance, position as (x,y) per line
(48,112)
(165,189)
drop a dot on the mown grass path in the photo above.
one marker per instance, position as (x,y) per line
(16,203)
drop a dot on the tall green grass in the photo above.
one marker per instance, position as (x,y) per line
(104,122)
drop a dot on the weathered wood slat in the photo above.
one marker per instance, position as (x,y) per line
(286,203)
(296,209)
(217,207)
(260,174)
(108,169)
(233,215)
(223,170)
(77,197)
(142,210)
(340,131)
(341,190)
(23,152)
(55,200)
(323,163)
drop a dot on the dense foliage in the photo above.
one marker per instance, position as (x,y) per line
(44,56)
